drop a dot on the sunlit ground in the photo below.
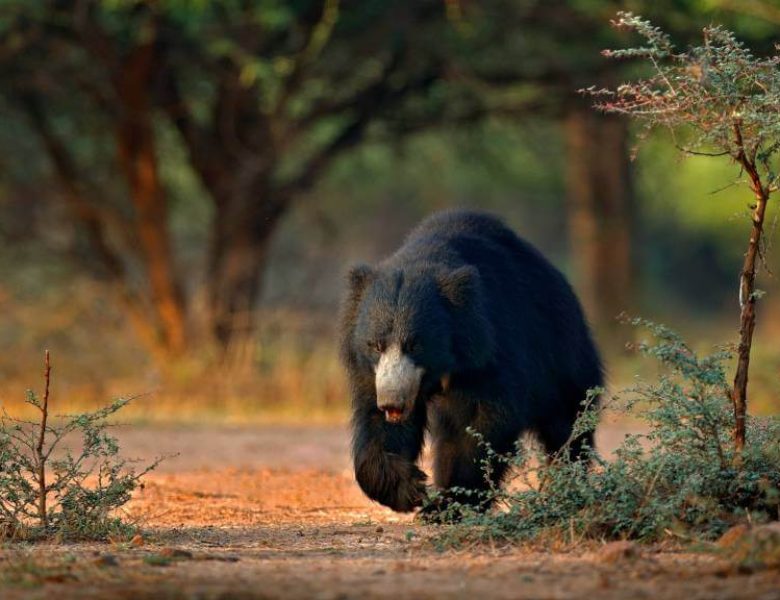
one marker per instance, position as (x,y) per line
(273,512)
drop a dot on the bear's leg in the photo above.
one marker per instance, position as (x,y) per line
(555,433)
(385,456)
(459,458)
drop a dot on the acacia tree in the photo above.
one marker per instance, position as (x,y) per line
(287,92)
(66,72)
(265,96)
(541,52)
(717,99)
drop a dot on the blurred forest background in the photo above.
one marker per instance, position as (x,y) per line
(183,184)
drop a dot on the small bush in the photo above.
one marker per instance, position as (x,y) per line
(47,490)
(682,477)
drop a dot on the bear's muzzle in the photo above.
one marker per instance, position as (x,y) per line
(397,384)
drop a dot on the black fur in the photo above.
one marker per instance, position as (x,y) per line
(464,296)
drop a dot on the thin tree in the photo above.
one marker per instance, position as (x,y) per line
(717,99)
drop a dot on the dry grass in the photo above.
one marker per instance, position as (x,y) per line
(292,374)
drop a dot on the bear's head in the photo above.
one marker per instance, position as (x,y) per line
(411,330)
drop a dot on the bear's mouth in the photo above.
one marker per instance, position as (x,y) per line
(394,415)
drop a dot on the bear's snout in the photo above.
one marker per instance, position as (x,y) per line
(397,384)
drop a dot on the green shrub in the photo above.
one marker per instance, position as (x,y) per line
(47,490)
(682,477)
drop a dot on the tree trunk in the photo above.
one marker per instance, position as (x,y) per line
(600,213)
(137,157)
(747,296)
(242,233)
(95,221)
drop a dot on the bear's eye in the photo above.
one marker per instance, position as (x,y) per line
(377,345)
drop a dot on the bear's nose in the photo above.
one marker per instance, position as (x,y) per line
(394,402)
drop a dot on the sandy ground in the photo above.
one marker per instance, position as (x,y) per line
(275,513)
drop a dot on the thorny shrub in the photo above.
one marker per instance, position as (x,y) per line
(48,491)
(681,478)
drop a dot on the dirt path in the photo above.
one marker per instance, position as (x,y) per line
(274,513)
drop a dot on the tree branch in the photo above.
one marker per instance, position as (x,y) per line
(368,106)
(39,453)
(205,160)
(94,220)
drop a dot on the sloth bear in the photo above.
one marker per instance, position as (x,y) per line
(466,325)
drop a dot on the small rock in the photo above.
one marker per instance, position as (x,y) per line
(106,560)
(175,553)
(753,548)
(379,529)
(617,551)
(768,531)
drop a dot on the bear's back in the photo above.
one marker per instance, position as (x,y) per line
(454,237)
(451,225)
(505,261)
(526,297)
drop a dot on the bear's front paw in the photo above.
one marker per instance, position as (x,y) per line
(394,481)
(411,489)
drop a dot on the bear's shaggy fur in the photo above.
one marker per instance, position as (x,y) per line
(481,331)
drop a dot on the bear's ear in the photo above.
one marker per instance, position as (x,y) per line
(359,277)
(459,286)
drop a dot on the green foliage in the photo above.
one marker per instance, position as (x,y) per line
(719,95)
(83,489)
(678,478)
(724,99)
